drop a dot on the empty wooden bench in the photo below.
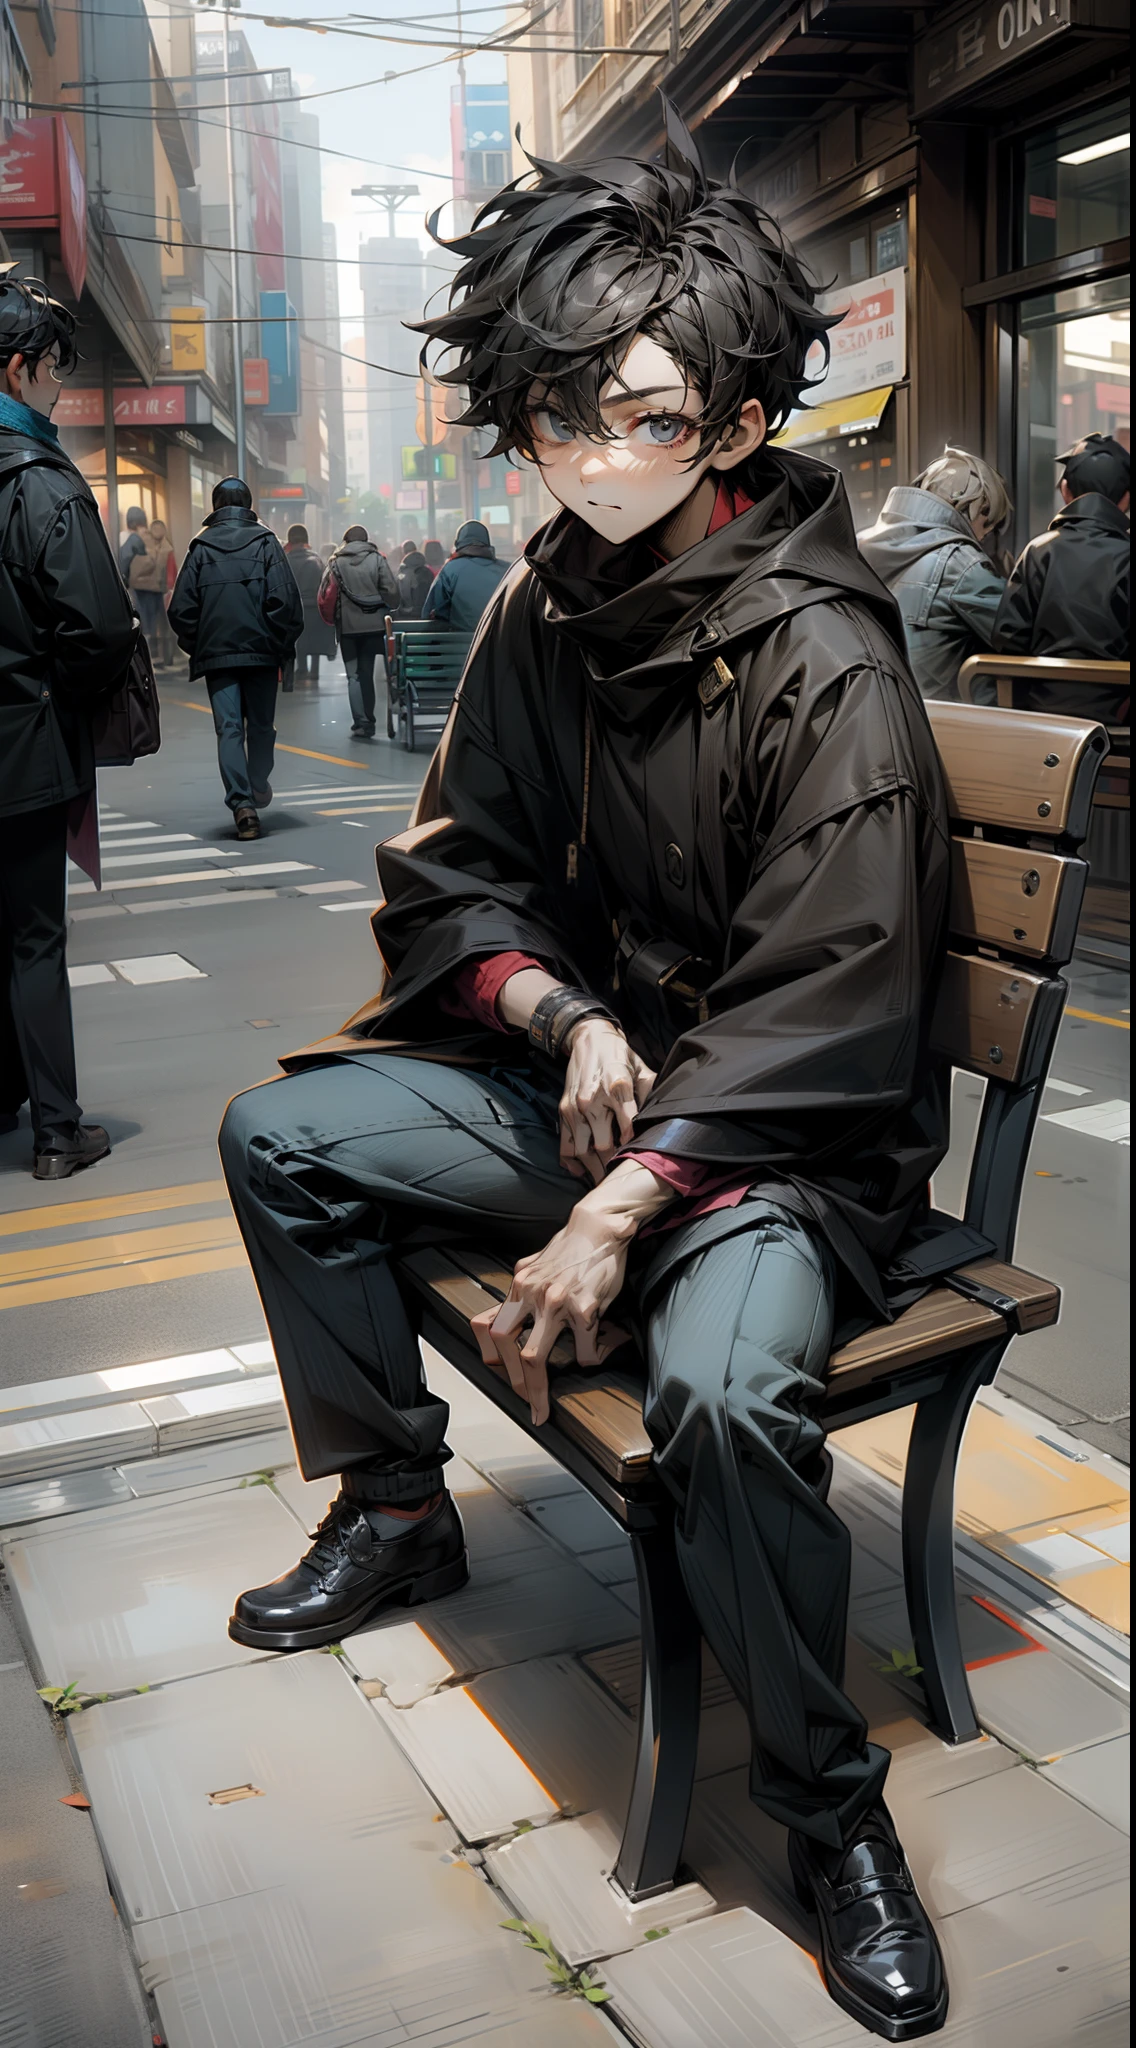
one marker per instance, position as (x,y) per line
(424,667)
(1020,789)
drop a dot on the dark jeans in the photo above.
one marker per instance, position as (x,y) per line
(360,652)
(332,1169)
(37,1047)
(243,702)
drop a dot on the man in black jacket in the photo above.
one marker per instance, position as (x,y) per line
(1070,593)
(67,633)
(237,612)
(663,957)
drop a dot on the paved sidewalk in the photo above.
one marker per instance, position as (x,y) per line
(320,1850)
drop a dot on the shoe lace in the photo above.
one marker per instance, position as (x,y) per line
(331,1537)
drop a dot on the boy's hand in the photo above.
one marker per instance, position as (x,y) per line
(605,1084)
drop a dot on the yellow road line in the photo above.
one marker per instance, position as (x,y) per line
(1094,1017)
(337,760)
(148,1273)
(53,1216)
(89,1254)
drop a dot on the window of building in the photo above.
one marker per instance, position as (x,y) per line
(863,247)
(589,28)
(1074,379)
(1074,186)
(15,76)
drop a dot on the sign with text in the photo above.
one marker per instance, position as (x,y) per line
(42,186)
(869,347)
(257,390)
(187,337)
(979,41)
(162,405)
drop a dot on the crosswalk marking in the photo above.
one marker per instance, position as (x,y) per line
(1108,1120)
(365,811)
(149,860)
(336,907)
(88,1254)
(110,849)
(1066,1087)
(130,825)
(213,874)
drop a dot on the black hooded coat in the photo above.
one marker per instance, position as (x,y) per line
(235,603)
(765,828)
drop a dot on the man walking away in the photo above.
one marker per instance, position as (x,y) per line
(414,584)
(237,613)
(316,638)
(462,589)
(357,592)
(133,542)
(67,633)
(1070,591)
(928,547)
(147,579)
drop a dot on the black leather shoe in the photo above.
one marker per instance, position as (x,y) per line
(880,1956)
(351,1573)
(58,1161)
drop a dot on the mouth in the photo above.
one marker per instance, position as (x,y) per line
(601,505)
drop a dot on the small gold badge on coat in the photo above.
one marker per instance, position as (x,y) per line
(714,684)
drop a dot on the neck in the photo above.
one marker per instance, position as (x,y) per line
(24,419)
(691,522)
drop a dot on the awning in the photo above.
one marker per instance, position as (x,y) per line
(840,416)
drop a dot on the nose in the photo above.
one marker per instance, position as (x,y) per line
(593,466)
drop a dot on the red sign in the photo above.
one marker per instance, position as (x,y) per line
(286,491)
(267,198)
(163,405)
(42,186)
(513,483)
(256,380)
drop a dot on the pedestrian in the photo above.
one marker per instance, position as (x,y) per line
(133,542)
(929,546)
(463,587)
(148,581)
(238,614)
(1070,591)
(414,583)
(317,638)
(358,592)
(433,554)
(67,633)
(695,854)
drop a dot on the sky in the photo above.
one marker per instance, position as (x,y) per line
(405,121)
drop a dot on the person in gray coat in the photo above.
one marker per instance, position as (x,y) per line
(359,589)
(463,587)
(928,547)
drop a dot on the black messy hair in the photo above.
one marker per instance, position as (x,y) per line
(32,323)
(561,273)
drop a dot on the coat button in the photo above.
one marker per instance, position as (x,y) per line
(45,694)
(674,864)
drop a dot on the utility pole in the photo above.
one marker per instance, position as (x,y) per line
(234,261)
(469,450)
(390,196)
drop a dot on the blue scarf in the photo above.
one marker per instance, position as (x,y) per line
(20,419)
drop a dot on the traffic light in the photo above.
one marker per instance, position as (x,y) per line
(420,463)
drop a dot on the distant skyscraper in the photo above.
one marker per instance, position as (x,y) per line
(394,290)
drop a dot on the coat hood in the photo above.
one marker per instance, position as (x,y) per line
(634,615)
(355,551)
(230,528)
(913,523)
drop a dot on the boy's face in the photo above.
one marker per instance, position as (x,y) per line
(625,485)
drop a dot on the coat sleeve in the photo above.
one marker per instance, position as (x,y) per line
(185,605)
(437,599)
(94,624)
(975,598)
(1014,624)
(817,1028)
(283,604)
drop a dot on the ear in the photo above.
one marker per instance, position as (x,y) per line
(1066,493)
(745,439)
(12,380)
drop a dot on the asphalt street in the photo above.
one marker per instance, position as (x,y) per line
(203,959)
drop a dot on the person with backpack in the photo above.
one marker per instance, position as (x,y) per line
(357,593)
(414,584)
(238,614)
(67,635)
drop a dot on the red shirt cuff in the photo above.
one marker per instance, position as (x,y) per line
(476,986)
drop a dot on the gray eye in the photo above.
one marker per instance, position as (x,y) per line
(551,427)
(664,429)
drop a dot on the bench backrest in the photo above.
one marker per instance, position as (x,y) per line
(1004,670)
(1019,793)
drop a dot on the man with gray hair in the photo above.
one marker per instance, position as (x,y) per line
(928,547)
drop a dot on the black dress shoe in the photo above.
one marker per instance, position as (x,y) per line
(881,1959)
(56,1162)
(353,1570)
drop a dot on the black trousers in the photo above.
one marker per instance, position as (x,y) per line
(334,1170)
(37,1045)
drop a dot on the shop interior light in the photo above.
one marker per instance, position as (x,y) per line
(1111,147)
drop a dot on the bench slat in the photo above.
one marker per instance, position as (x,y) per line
(997,768)
(983,1015)
(1018,900)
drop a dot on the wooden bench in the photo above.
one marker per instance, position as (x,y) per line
(1020,790)
(424,667)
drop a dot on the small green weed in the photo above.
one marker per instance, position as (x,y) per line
(900,1664)
(570,1983)
(67,1699)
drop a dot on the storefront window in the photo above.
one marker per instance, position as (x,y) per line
(860,248)
(1075,371)
(1074,186)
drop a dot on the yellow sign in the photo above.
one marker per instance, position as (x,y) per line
(187,337)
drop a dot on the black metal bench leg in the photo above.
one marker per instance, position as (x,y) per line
(668,1720)
(928,1541)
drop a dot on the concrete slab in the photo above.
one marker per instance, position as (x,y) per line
(52,1444)
(484,1786)
(141,1593)
(575,1520)
(203,1415)
(401,1659)
(557,1878)
(210,1465)
(733,1981)
(570,1732)
(1044,1710)
(1100,1778)
(35,1500)
(509,1613)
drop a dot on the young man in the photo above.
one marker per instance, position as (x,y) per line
(664,960)
(928,547)
(237,613)
(317,638)
(358,590)
(464,585)
(67,633)
(1070,593)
